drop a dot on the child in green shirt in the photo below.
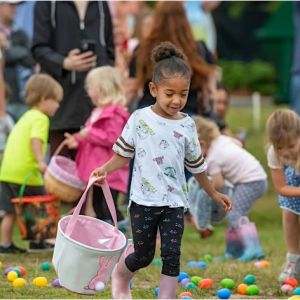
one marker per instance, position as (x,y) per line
(25,152)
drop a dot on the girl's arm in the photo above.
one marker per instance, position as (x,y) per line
(212,193)
(115,163)
(280,185)
(217,181)
(37,149)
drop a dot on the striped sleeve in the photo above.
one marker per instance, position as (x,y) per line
(125,144)
(194,160)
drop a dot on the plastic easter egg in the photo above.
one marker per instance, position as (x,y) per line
(185,294)
(190,286)
(208,258)
(206,283)
(56,283)
(1,264)
(17,271)
(182,275)
(228,283)
(286,288)
(186,297)
(262,264)
(157,261)
(184,281)
(196,279)
(202,265)
(7,270)
(224,293)
(242,289)
(156,290)
(45,266)
(249,279)
(295,297)
(130,284)
(296,291)
(191,264)
(291,281)
(252,290)
(22,270)
(40,281)
(99,286)
(19,282)
(11,276)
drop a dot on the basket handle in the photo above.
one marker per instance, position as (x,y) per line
(108,199)
(60,147)
(23,186)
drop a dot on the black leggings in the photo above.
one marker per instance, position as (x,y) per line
(145,221)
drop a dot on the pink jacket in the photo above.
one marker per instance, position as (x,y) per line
(96,149)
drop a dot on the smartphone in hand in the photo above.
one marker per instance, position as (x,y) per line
(87,45)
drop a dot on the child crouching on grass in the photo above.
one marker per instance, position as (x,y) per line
(228,161)
(25,154)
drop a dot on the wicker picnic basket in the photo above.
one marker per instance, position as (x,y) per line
(61,178)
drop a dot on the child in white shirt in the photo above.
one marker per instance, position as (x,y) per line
(163,141)
(228,162)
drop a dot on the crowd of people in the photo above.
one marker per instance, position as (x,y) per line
(144,108)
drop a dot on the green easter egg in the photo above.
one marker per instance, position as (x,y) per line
(208,258)
(228,283)
(252,290)
(249,279)
(196,280)
(45,266)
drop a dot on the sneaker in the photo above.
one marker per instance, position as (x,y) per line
(290,267)
(40,246)
(12,249)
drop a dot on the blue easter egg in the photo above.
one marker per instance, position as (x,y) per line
(224,294)
(191,264)
(182,275)
(296,291)
(202,265)
(156,291)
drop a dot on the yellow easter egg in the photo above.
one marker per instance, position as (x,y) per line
(12,275)
(40,281)
(19,282)
(296,297)
(1,264)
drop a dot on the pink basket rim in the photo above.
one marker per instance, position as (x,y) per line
(89,247)
(75,182)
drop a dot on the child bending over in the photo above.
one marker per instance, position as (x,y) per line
(228,162)
(283,133)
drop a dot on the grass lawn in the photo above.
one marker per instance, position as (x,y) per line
(266,214)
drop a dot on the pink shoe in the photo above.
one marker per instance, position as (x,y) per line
(121,276)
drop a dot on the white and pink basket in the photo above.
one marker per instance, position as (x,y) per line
(87,249)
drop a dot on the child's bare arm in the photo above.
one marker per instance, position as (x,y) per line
(217,181)
(115,163)
(210,190)
(280,185)
(37,149)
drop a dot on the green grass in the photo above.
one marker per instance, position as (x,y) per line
(265,213)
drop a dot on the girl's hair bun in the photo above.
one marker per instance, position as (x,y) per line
(166,50)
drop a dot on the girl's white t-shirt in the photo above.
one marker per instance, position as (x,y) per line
(234,163)
(161,149)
